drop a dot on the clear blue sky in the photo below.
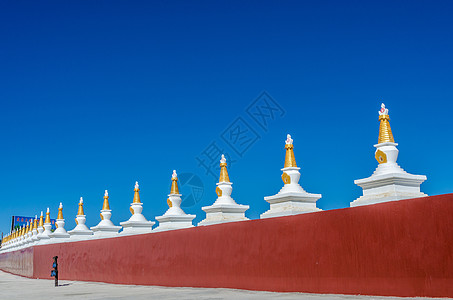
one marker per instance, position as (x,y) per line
(98,94)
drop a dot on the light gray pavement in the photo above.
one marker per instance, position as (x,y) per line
(16,287)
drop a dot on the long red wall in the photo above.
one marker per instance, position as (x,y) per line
(402,248)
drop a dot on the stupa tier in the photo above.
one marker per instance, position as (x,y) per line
(389,182)
(174,217)
(224,209)
(137,223)
(292,199)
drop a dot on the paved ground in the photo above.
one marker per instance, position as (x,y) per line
(16,287)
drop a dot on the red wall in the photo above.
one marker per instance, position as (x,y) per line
(402,248)
(18,262)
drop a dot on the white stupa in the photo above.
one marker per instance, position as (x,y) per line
(106,228)
(27,237)
(35,230)
(81,231)
(224,209)
(46,233)
(389,182)
(60,232)
(30,232)
(40,227)
(137,223)
(174,217)
(292,199)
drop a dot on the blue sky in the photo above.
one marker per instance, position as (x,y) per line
(96,95)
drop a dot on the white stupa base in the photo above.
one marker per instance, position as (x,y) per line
(223,213)
(137,223)
(81,230)
(172,222)
(44,237)
(60,234)
(389,187)
(103,230)
(292,203)
(136,227)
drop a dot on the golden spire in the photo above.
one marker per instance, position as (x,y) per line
(47,217)
(174,184)
(35,223)
(41,222)
(136,194)
(106,205)
(290,160)
(385,132)
(223,170)
(27,228)
(80,212)
(60,212)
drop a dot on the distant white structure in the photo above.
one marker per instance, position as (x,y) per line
(174,217)
(224,209)
(60,232)
(47,233)
(105,228)
(389,182)
(292,199)
(137,223)
(81,231)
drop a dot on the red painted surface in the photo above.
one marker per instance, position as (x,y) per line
(18,262)
(402,248)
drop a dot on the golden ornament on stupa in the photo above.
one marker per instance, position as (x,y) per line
(223,170)
(35,223)
(41,221)
(106,205)
(290,160)
(136,193)
(60,212)
(80,211)
(47,221)
(174,184)
(385,132)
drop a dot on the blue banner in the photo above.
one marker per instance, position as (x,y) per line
(19,221)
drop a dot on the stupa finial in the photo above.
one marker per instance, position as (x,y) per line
(106,205)
(136,193)
(47,216)
(223,170)
(60,212)
(41,221)
(174,183)
(35,223)
(290,160)
(80,211)
(385,132)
